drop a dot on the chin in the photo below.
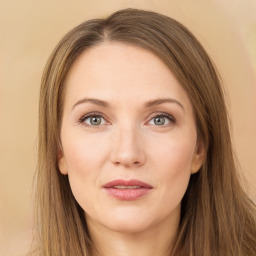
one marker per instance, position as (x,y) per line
(127,226)
(128,222)
(132,217)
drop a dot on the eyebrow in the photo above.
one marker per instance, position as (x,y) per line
(101,103)
(161,101)
(148,104)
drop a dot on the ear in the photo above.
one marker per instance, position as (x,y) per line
(198,157)
(62,163)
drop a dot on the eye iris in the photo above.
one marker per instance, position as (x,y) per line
(95,120)
(160,120)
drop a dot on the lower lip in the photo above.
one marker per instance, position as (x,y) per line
(127,194)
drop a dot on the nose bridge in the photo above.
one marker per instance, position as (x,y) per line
(127,147)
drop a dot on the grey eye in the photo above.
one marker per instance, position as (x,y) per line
(95,120)
(162,120)
(159,120)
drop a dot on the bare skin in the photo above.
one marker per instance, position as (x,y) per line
(156,241)
(127,118)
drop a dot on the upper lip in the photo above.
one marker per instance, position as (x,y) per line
(121,182)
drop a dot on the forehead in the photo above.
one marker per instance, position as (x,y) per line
(118,71)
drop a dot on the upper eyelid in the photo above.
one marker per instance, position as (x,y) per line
(161,114)
(90,114)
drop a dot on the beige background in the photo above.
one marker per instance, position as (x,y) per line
(28,32)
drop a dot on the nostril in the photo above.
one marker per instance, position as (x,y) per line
(129,163)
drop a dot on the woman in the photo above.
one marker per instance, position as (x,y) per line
(135,156)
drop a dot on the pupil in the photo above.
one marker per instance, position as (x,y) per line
(159,120)
(95,120)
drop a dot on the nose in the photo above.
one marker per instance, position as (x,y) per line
(127,148)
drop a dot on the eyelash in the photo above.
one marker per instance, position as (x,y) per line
(170,118)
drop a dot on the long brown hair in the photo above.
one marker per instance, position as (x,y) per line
(217,217)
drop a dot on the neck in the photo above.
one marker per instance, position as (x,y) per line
(156,241)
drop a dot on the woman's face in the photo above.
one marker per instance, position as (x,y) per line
(129,139)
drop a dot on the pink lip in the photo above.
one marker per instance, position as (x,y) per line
(127,194)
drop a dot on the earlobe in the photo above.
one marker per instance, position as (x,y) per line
(198,158)
(62,163)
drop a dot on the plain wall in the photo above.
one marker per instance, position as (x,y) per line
(29,30)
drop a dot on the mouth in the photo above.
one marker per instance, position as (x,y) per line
(127,190)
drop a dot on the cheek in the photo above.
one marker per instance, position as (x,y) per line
(84,153)
(85,158)
(173,164)
(174,155)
